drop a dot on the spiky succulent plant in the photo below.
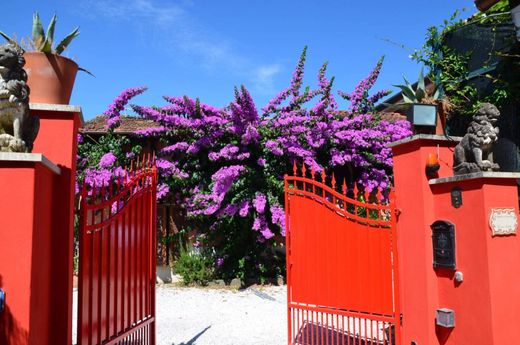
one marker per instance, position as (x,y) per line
(42,41)
(419,94)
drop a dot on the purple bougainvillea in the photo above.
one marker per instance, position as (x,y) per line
(225,166)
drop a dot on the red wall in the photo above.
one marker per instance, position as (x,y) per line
(25,251)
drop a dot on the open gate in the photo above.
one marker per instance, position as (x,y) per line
(341,264)
(116,292)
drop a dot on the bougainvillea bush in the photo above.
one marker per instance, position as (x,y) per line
(225,166)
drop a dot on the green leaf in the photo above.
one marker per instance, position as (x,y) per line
(408,100)
(10,40)
(420,82)
(66,41)
(407,91)
(407,83)
(38,35)
(86,71)
(436,93)
(47,45)
(420,94)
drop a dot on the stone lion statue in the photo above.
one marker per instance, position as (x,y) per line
(474,152)
(18,128)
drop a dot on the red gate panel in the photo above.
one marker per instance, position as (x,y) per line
(117,260)
(341,264)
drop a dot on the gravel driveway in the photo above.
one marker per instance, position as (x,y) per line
(204,316)
(211,316)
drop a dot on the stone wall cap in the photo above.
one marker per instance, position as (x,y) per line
(29,157)
(58,107)
(424,137)
(473,176)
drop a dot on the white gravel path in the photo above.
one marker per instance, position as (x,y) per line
(204,316)
(216,316)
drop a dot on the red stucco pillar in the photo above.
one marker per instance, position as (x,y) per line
(486,303)
(57,140)
(27,184)
(414,200)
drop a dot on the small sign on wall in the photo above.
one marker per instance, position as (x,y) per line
(503,221)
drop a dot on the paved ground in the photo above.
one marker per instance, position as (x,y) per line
(211,316)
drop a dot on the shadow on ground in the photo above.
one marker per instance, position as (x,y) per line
(192,340)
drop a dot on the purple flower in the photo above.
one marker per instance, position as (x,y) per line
(259,203)
(113,113)
(219,262)
(107,160)
(243,208)
(267,233)
(162,190)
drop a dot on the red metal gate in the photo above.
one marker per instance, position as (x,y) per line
(341,264)
(117,260)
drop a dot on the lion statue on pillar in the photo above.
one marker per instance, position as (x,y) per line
(474,152)
(18,128)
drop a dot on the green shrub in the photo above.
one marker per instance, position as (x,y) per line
(194,267)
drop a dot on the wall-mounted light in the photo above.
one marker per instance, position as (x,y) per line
(432,165)
(445,318)
(422,115)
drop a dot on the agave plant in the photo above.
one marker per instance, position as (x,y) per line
(42,41)
(419,94)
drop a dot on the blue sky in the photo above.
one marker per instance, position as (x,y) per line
(205,48)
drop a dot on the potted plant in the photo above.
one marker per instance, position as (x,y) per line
(424,106)
(50,76)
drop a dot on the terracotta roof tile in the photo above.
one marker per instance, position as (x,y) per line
(129,124)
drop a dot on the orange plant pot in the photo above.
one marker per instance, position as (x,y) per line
(50,77)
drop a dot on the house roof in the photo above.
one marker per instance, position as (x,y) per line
(385,115)
(128,125)
(484,5)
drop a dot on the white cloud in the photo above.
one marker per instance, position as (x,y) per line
(180,33)
(263,78)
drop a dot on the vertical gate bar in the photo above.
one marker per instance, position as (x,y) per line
(288,257)
(138,230)
(142,201)
(117,293)
(100,300)
(130,260)
(336,323)
(153,204)
(124,286)
(84,268)
(148,254)
(91,274)
(146,245)
(111,292)
(102,270)
(142,277)
(135,241)
(395,269)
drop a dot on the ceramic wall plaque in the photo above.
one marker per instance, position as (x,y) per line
(503,221)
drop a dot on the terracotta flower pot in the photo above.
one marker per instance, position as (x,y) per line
(50,77)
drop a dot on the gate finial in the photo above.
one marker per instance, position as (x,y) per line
(313,172)
(333,181)
(379,196)
(323,176)
(295,168)
(304,170)
(344,186)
